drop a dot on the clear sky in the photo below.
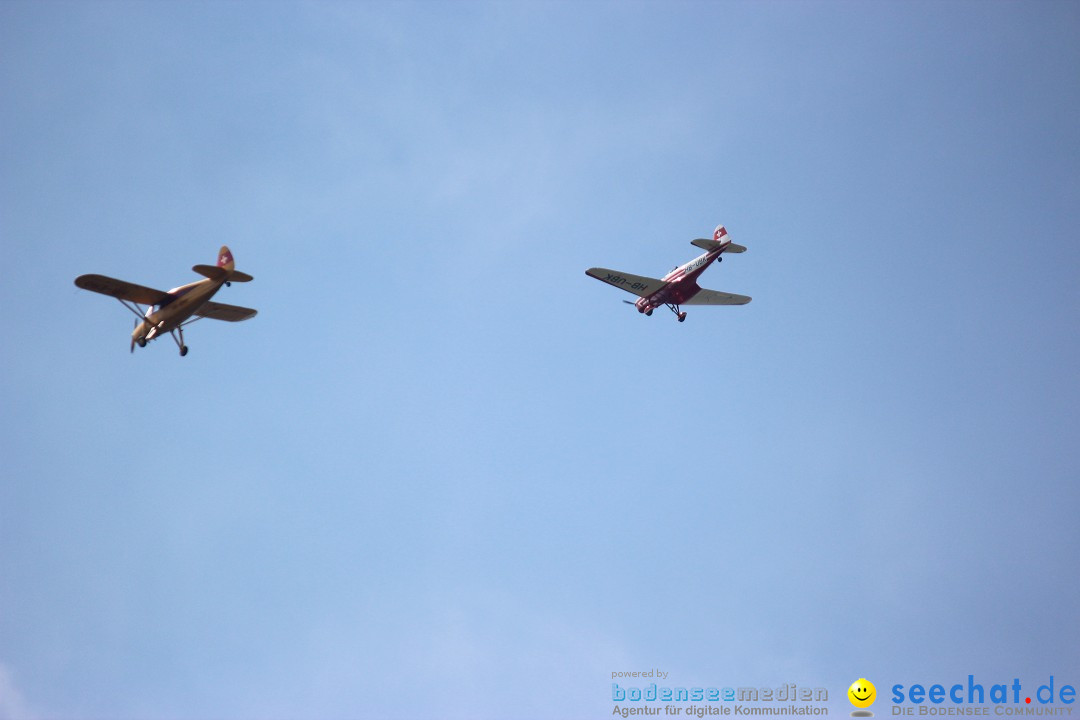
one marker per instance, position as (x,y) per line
(445,474)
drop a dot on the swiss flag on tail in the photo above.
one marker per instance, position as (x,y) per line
(225,259)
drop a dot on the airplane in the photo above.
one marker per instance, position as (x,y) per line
(678,287)
(169,312)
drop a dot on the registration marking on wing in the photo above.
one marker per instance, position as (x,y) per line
(620,281)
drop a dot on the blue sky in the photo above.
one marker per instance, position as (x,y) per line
(445,474)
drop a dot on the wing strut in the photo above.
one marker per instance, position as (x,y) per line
(137,309)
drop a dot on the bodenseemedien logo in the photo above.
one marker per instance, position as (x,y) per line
(669,699)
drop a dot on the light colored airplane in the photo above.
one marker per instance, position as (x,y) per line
(169,312)
(678,287)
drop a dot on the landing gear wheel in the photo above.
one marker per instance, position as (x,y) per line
(682,316)
(648,313)
(179,340)
(141,342)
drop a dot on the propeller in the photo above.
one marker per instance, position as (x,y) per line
(133,335)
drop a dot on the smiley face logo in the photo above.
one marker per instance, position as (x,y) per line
(862,693)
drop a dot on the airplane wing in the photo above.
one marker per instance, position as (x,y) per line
(636,284)
(122,290)
(712,297)
(228,313)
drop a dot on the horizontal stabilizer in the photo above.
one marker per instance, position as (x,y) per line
(228,313)
(636,284)
(211,271)
(713,244)
(217,273)
(713,297)
(122,290)
(705,244)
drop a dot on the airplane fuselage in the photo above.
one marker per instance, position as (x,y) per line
(681,283)
(186,301)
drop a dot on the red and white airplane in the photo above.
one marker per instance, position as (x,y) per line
(678,287)
(169,312)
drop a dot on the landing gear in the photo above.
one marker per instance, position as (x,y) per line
(644,309)
(179,342)
(674,307)
(647,309)
(155,331)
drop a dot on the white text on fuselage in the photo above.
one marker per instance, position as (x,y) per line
(695,264)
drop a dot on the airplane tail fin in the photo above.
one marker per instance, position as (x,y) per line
(225,262)
(225,258)
(720,238)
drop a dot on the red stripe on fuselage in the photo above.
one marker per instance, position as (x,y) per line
(680,285)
